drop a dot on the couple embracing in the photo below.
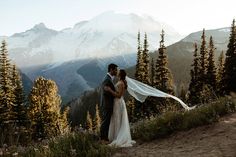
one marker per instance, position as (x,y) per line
(115,124)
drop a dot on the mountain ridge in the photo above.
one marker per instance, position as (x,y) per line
(101,36)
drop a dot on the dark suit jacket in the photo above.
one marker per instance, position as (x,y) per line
(107,99)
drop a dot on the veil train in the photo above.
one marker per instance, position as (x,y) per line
(141,91)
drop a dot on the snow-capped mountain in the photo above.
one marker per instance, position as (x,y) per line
(108,34)
(31,47)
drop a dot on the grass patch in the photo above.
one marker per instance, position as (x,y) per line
(164,125)
(79,144)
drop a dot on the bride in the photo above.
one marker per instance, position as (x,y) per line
(119,129)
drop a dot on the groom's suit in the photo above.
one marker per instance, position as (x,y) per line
(107,101)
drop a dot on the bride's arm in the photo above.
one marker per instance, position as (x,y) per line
(119,92)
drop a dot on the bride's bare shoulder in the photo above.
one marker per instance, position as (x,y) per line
(120,83)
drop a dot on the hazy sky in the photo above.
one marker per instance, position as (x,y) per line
(185,16)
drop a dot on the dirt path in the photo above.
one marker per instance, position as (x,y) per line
(217,140)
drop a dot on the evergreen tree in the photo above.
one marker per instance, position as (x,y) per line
(7,115)
(97,120)
(45,109)
(63,121)
(144,65)
(143,76)
(196,63)
(230,62)
(220,74)
(163,77)
(211,69)
(19,108)
(206,93)
(131,109)
(139,60)
(89,122)
(203,59)
(194,86)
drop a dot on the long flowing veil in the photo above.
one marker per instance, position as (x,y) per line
(141,91)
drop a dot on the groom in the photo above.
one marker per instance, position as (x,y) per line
(107,100)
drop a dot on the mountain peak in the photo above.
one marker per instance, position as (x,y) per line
(40,26)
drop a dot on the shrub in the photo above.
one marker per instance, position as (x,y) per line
(169,122)
(74,144)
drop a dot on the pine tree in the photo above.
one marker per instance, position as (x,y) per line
(211,69)
(206,93)
(196,63)
(19,108)
(203,59)
(220,74)
(230,62)
(194,89)
(131,109)
(7,114)
(89,122)
(45,109)
(143,76)
(97,120)
(144,65)
(163,77)
(139,60)
(63,121)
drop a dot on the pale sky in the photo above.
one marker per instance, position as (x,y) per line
(186,16)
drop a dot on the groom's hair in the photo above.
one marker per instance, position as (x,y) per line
(111,67)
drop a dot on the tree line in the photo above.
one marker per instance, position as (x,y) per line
(23,118)
(208,79)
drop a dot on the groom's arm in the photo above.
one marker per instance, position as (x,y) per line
(108,83)
(119,92)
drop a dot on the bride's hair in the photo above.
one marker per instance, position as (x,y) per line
(122,75)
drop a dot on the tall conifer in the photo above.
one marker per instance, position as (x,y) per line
(19,107)
(7,98)
(163,77)
(45,110)
(203,59)
(145,62)
(211,69)
(89,122)
(230,62)
(139,60)
(194,86)
(97,120)
(220,74)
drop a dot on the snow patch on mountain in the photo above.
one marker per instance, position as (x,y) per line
(108,34)
(224,30)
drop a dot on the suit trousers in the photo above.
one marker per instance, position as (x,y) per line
(106,118)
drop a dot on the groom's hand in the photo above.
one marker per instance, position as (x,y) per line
(107,88)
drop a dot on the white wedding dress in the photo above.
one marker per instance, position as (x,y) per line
(119,129)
